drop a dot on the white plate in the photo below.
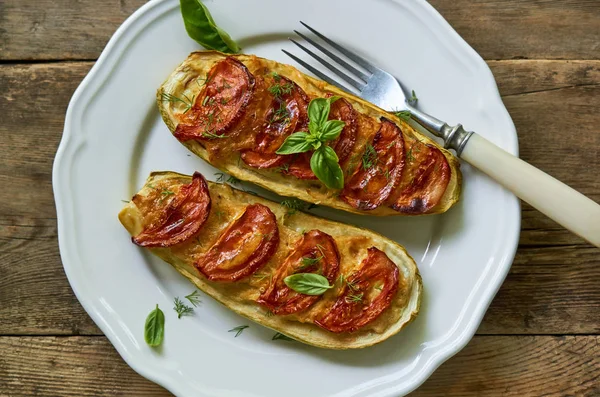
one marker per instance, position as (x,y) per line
(114,137)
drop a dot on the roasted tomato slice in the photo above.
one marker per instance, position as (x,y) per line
(185,214)
(220,104)
(287,114)
(425,179)
(365,295)
(381,169)
(316,252)
(246,244)
(340,110)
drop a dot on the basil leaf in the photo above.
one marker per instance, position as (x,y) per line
(318,112)
(307,283)
(154,330)
(201,27)
(331,129)
(298,142)
(324,164)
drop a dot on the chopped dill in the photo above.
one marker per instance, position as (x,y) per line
(238,330)
(187,101)
(369,157)
(181,308)
(194,298)
(354,298)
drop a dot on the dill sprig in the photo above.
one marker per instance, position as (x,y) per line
(369,157)
(280,336)
(413,98)
(238,330)
(283,169)
(294,205)
(187,101)
(281,115)
(403,115)
(194,298)
(277,90)
(354,298)
(210,135)
(181,308)
(307,262)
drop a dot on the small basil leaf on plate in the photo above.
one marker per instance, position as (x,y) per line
(331,129)
(154,329)
(324,164)
(307,283)
(298,142)
(201,27)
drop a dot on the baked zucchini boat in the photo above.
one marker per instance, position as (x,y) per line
(236,111)
(239,248)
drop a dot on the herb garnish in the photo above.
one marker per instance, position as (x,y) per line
(369,157)
(181,308)
(324,160)
(230,179)
(403,115)
(413,99)
(295,205)
(280,336)
(210,135)
(187,101)
(194,298)
(354,298)
(238,330)
(277,90)
(201,27)
(308,283)
(154,329)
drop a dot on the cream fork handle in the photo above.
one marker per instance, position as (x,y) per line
(553,198)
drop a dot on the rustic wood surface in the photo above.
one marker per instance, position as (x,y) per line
(541,334)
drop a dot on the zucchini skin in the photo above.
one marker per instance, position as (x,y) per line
(182,82)
(229,200)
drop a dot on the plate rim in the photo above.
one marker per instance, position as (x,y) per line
(165,379)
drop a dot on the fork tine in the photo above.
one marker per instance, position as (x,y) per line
(337,59)
(317,72)
(329,66)
(355,58)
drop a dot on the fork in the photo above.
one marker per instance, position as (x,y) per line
(553,198)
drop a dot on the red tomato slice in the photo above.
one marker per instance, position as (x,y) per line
(286,115)
(424,181)
(342,110)
(380,172)
(246,244)
(220,104)
(316,252)
(184,216)
(367,293)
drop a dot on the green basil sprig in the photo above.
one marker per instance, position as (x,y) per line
(324,161)
(308,283)
(154,330)
(201,27)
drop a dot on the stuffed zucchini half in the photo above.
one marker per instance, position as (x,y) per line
(236,111)
(242,249)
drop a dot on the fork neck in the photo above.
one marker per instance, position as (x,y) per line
(455,137)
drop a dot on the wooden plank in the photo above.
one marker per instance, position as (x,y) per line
(549,290)
(526,29)
(497,29)
(520,366)
(59,29)
(35,296)
(68,366)
(490,366)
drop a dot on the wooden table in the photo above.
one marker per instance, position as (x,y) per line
(541,334)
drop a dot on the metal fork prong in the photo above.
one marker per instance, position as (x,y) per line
(317,72)
(329,66)
(336,58)
(353,57)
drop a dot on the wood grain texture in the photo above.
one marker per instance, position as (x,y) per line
(497,29)
(550,290)
(489,365)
